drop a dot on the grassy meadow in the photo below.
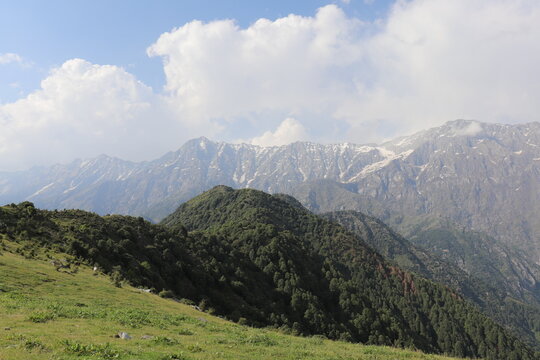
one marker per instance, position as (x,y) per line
(75,314)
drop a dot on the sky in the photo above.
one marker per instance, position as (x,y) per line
(135,79)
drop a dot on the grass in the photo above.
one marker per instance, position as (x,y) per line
(46,314)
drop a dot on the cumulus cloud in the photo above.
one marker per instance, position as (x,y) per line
(440,60)
(290,130)
(424,63)
(83,110)
(291,66)
(8,58)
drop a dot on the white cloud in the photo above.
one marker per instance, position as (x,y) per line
(441,60)
(291,66)
(84,110)
(471,129)
(426,62)
(289,131)
(8,58)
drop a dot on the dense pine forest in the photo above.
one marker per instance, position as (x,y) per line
(485,288)
(264,260)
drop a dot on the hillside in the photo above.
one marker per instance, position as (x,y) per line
(487,257)
(439,258)
(228,213)
(478,176)
(265,267)
(64,315)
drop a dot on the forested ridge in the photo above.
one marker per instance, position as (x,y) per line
(222,209)
(266,261)
(484,288)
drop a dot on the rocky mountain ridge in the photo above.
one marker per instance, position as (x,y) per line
(483,176)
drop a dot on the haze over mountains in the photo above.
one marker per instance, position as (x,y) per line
(481,176)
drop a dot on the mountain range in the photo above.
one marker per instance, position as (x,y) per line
(484,177)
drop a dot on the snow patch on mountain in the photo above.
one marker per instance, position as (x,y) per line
(41,190)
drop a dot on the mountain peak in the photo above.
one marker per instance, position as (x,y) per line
(461,122)
(463,127)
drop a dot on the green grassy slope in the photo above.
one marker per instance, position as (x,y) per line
(49,314)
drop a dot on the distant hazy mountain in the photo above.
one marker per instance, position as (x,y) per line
(474,252)
(485,177)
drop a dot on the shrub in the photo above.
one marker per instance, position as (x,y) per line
(185,332)
(195,348)
(177,356)
(187,302)
(116,277)
(34,345)
(166,294)
(41,317)
(163,340)
(104,351)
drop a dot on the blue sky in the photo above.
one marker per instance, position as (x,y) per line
(47,33)
(135,79)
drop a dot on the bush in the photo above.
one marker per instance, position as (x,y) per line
(185,332)
(116,277)
(187,302)
(166,294)
(41,317)
(195,348)
(103,351)
(34,345)
(177,356)
(163,340)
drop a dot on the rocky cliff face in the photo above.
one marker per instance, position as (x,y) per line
(485,177)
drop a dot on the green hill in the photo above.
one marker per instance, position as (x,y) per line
(68,314)
(373,299)
(265,261)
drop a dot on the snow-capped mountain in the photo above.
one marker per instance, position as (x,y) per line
(484,176)
(110,185)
